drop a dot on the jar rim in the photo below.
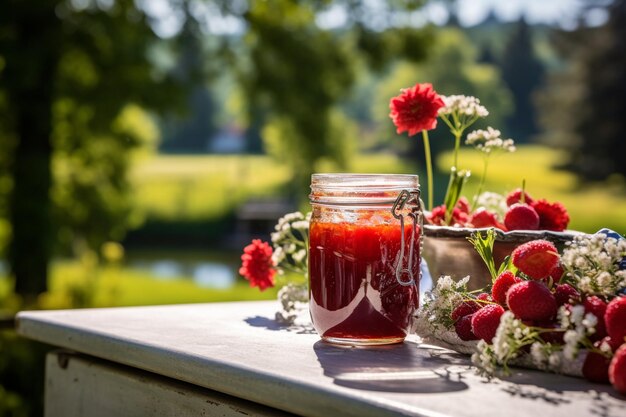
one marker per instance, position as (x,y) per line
(350,180)
(360,189)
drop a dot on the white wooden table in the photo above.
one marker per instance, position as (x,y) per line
(233,359)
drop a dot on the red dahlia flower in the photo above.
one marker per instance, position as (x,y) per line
(552,216)
(257,266)
(415,109)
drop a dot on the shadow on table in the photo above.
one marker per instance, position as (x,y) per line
(400,368)
(299,327)
(557,389)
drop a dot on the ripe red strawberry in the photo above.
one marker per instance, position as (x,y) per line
(557,273)
(531,300)
(615,319)
(463,328)
(597,307)
(596,367)
(504,281)
(552,216)
(515,196)
(617,370)
(536,258)
(484,218)
(486,298)
(465,308)
(521,217)
(485,321)
(566,294)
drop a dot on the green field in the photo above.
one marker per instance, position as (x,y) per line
(591,207)
(73,286)
(188,188)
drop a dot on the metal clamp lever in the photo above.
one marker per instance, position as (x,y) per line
(403,198)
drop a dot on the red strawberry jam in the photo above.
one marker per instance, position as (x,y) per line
(355,296)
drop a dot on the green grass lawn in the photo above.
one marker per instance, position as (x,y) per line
(72,286)
(591,207)
(201,187)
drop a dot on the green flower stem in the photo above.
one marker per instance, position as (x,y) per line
(482,182)
(457,145)
(429,168)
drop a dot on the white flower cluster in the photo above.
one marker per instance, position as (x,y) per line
(439,303)
(579,325)
(290,241)
(463,105)
(510,336)
(494,202)
(591,262)
(489,140)
(546,356)
(294,300)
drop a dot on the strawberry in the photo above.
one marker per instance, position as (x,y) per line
(596,306)
(615,319)
(515,196)
(596,368)
(465,308)
(531,300)
(463,328)
(552,216)
(502,284)
(557,273)
(484,218)
(483,296)
(521,217)
(565,294)
(617,370)
(485,321)
(536,258)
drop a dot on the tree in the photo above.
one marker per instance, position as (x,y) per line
(583,106)
(72,73)
(300,72)
(523,73)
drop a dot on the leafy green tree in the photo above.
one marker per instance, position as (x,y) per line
(583,106)
(73,75)
(523,73)
(299,72)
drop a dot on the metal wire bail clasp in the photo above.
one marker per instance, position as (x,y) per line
(406,197)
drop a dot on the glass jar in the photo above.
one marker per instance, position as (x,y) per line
(364,257)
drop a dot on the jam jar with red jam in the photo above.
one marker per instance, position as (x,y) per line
(364,257)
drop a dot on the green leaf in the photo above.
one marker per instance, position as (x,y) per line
(484,247)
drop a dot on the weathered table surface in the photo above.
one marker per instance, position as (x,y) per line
(238,349)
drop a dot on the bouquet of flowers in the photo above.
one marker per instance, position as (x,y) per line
(562,313)
(263,264)
(416,110)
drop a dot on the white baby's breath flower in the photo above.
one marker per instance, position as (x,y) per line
(591,262)
(494,202)
(299,255)
(301,225)
(463,105)
(278,256)
(489,140)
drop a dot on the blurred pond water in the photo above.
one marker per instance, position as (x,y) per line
(214,269)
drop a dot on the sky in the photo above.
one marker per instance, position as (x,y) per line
(564,13)
(560,12)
